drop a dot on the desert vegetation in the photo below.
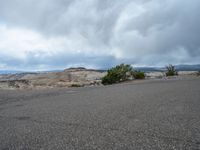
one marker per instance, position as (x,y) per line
(171,70)
(76,85)
(138,74)
(198,73)
(121,73)
(80,77)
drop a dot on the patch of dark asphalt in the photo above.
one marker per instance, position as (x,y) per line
(19,105)
(23,118)
(23,96)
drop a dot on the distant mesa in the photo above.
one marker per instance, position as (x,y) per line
(75,68)
(72,69)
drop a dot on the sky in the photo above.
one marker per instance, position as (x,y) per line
(99,34)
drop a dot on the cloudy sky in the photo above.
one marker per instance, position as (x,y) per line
(55,34)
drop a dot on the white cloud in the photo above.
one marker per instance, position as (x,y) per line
(98,33)
(23,46)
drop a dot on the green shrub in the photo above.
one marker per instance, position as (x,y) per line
(121,73)
(171,71)
(198,73)
(117,74)
(138,75)
(76,85)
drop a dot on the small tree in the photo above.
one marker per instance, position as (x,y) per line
(118,74)
(198,73)
(171,71)
(121,73)
(138,75)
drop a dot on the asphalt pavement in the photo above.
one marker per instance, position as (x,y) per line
(146,115)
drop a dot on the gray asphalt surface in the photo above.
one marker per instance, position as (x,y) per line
(149,115)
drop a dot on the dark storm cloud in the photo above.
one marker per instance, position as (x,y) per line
(143,32)
(60,62)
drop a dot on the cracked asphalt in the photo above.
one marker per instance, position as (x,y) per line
(147,115)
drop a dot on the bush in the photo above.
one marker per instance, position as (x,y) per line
(121,73)
(118,74)
(198,73)
(171,71)
(138,75)
(76,85)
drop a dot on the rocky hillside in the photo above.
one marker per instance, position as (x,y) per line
(73,77)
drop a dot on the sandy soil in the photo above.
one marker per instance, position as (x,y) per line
(70,78)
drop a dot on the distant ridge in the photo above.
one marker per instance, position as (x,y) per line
(178,68)
(9,72)
(182,67)
(149,69)
(188,67)
(82,69)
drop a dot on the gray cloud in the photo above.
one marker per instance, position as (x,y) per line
(104,32)
(59,62)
